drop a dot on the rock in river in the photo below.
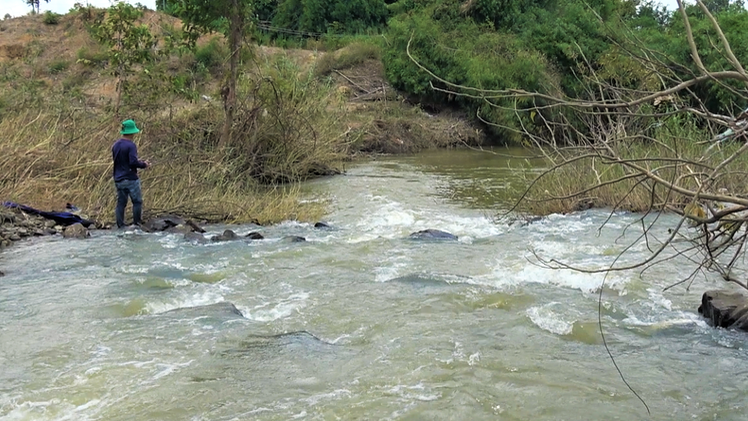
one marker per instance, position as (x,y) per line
(725,309)
(163,223)
(195,237)
(227,235)
(432,234)
(254,236)
(76,231)
(222,310)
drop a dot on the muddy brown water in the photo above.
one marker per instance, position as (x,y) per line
(360,322)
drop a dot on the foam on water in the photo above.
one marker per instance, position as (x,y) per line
(546,318)
(391,219)
(185,300)
(270,311)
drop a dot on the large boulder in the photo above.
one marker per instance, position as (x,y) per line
(432,234)
(76,231)
(725,309)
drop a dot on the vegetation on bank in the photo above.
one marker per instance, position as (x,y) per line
(510,65)
(66,85)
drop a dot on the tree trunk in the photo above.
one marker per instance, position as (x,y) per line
(228,92)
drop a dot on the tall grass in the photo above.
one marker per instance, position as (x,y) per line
(46,163)
(572,187)
(348,56)
(287,128)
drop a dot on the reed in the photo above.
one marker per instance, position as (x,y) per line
(575,180)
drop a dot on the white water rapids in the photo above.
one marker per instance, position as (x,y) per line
(360,322)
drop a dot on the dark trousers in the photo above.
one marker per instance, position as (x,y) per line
(131,189)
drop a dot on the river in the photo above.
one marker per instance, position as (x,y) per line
(360,322)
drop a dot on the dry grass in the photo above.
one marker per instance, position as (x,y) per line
(392,127)
(346,57)
(570,187)
(50,160)
(291,124)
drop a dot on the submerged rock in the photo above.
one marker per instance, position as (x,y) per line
(227,235)
(432,234)
(293,239)
(76,231)
(222,309)
(725,309)
(179,229)
(321,225)
(195,237)
(254,236)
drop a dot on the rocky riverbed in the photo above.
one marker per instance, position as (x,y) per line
(16,225)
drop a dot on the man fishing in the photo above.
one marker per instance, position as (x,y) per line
(126,164)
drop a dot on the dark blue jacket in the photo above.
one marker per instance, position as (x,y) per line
(126,163)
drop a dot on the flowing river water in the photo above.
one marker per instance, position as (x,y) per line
(361,323)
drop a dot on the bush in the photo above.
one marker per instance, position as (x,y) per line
(51,18)
(58,66)
(347,57)
(7,16)
(91,58)
(212,55)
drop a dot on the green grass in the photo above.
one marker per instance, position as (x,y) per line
(58,66)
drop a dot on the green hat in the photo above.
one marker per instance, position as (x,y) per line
(129,127)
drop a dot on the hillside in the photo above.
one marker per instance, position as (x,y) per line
(303,112)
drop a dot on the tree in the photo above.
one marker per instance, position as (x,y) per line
(129,44)
(35,4)
(206,16)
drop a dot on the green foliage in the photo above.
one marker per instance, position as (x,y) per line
(35,5)
(208,16)
(89,57)
(58,66)
(466,54)
(128,43)
(314,17)
(211,56)
(51,18)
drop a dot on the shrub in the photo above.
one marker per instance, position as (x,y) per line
(58,66)
(212,55)
(7,16)
(354,54)
(91,58)
(51,18)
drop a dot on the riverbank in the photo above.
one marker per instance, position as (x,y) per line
(60,111)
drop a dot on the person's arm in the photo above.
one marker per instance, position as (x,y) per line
(134,162)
